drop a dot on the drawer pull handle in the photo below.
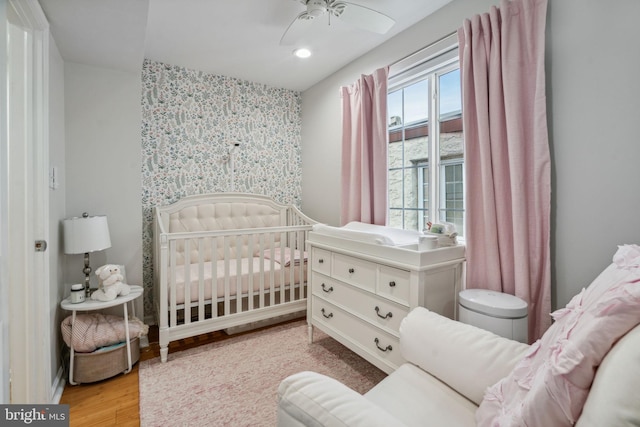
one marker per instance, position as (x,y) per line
(392,284)
(328,316)
(351,271)
(321,261)
(385,349)
(389,314)
(327,290)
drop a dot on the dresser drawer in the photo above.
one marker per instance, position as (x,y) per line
(393,283)
(378,311)
(354,271)
(362,336)
(321,260)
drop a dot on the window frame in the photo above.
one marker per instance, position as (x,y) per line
(430,63)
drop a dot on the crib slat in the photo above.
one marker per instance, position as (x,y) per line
(299,267)
(172,284)
(227,291)
(201,313)
(272,279)
(214,277)
(187,281)
(279,274)
(250,290)
(262,272)
(292,265)
(238,275)
(301,264)
(302,268)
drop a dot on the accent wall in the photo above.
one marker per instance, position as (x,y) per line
(191,123)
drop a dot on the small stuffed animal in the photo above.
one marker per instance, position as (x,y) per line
(110,283)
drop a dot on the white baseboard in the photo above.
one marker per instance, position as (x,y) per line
(58,386)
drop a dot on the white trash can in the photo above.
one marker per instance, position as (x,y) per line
(503,314)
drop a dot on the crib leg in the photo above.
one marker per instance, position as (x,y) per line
(163,339)
(310,330)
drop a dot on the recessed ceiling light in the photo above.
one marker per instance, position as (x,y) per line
(302,53)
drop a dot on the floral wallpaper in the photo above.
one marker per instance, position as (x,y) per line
(191,120)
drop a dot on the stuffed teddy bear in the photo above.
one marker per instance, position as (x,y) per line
(110,283)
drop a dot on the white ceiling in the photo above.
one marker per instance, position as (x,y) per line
(236,38)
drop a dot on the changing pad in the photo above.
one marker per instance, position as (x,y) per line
(370,233)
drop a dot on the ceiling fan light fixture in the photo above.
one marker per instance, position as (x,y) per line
(302,52)
(316,8)
(360,17)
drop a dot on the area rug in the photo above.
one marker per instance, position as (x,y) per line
(234,382)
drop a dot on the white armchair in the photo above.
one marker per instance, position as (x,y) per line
(450,366)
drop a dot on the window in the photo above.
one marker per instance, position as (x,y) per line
(426,159)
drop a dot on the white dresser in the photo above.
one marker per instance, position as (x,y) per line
(360,292)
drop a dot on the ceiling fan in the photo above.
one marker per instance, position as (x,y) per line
(353,14)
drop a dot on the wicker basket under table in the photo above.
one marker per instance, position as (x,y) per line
(99,365)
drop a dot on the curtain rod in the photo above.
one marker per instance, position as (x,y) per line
(423,48)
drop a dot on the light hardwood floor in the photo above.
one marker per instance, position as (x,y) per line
(115,401)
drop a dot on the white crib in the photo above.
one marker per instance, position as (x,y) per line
(225,260)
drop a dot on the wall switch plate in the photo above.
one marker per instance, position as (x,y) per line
(53,178)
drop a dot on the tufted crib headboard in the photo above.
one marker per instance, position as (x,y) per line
(223,212)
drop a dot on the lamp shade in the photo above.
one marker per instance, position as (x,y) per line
(86,234)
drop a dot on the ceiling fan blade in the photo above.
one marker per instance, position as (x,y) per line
(366,19)
(294,31)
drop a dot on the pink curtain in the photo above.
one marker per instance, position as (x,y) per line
(507,159)
(364,149)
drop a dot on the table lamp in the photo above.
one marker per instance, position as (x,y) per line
(83,235)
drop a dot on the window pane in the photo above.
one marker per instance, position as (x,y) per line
(416,102)
(395,154)
(394,107)
(411,219)
(410,188)
(424,188)
(395,218)
(452,206)
(395,188)
(413,203)
(451,150)
(416,150)
(425,219)
(450,94)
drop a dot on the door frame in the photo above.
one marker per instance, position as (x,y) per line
(4,226)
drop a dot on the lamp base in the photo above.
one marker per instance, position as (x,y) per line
(87,276)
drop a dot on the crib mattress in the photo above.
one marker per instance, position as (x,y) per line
(248,274)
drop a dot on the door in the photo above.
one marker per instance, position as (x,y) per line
(24,206)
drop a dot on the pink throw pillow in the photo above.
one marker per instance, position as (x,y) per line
(549,386)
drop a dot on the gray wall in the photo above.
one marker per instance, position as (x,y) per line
(103,116)
(593,98)
(593,104)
